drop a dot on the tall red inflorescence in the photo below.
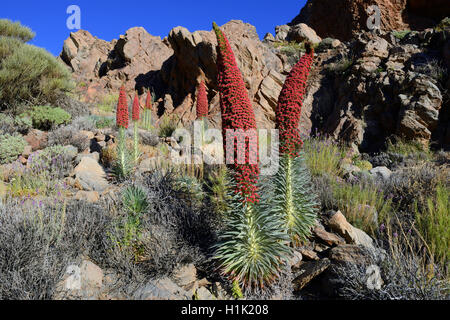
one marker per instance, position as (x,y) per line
(237,114)
(290,104)
(148,101)
(136,108)
(202,101)
(122,109)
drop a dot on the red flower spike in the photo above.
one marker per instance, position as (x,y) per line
(237,113)
(122,110)
(290,104)
(136,108)
(148,101)
(202,101)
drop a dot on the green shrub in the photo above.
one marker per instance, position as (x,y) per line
(29,74)
(15,30)
(45,117)
(434,224)
(11,147)
(323,156)
(108,103)
(363,165)
(401,34)
(167,126)
(362,204)
(341,66)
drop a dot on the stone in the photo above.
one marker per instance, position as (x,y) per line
(327,237)
(269,37)
(296,259)
(89,196)
(381,172)
(352,235)
(37,139)
(80,282)
(308,271)
(204,294)
(308,254)
(282,32)
(90,176)
(303,32)
(161,289)
(185,275)
(88,134)
(349,253)
(27,151)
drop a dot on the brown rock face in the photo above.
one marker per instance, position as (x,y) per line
(342,19)
(134,59)
(173,67)
(195,58)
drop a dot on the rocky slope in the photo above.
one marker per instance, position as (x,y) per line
(361,91)
(343,19)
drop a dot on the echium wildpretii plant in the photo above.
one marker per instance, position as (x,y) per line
(135,116)
(124,163)
(288,194)
(147,117)
(254,247)
(202,108)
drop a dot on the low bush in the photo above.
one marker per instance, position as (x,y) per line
(69,135)
(363,204)
(46,117)
(11,147)
(323,156)
(31,75)
(433,223)
(15,30)
(39,241)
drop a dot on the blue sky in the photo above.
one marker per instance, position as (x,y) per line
(108,19)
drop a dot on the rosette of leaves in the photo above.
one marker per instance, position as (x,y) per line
(254,247)
(290,197)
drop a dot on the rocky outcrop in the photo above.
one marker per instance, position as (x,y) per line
(361,91)
(380,86)
(343,19)
(134,59)
(195,59)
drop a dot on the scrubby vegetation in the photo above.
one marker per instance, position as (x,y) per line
(75,186)
(28,75)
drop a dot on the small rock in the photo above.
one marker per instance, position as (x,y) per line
(89,196)
(381,172)
(204,294)
(27,151)
(303,32)
(349,253)
(269,37)
(90,176)
(36,139)
(327,237)
(308,271)
(296,259)
(89,134)
(185,275)
(161,289)
(308,254)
